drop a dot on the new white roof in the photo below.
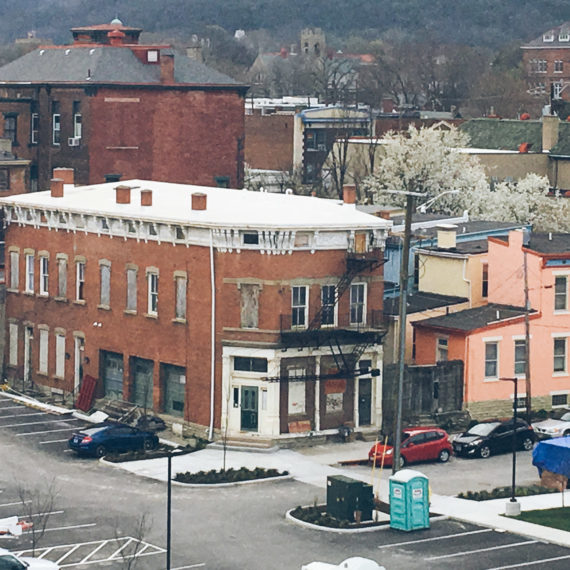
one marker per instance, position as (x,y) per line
(172,203)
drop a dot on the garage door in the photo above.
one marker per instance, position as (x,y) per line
(142,371)
(174,389)
(113,375)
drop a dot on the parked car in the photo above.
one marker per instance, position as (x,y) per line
(417,444)
(556,426)
(487,438)
(11,561)
(354,563)
(111,437)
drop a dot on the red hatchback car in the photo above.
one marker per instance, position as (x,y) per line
(417,444)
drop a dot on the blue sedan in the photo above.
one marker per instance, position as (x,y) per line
(111,437)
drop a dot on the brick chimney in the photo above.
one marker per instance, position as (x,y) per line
(446,236)
(550,124)
(349,194)
(66,174)
(199,200)
(56,188)
(167,68)
(146,197)
(123,194)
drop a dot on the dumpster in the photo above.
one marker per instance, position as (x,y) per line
(345,496)
(409,500)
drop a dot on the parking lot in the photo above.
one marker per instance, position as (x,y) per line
(93,520)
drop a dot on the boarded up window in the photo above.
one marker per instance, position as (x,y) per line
(44,336)
(13,356)
(105,285)
(62,278)
(131,289)
(297,392)
(14,269)
(59,355)
(180,297)
(249,306)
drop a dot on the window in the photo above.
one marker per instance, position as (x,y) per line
(485,280)
(315,139)
(180,283)
(222,181)
(558,66)
(44,275)
(105,276)
(250,238)
(559,400)
(561,293)
(557,87)
(29,273)
(297,392)
(520,357)
(13,352)
(491,359)
(14,270)
(34,128)
(249,305)
(44,347)
(11,128)
(152,56)
(131,289)
(560,355)
(77,120)
(548,37)
(357,304)
(247,364)
(80,281)
(299,306)
(60,355)
(564,37)
(328,303)
(62,277)
(4,179)
(55,123)
(442,349)
(539,65)
(152,283)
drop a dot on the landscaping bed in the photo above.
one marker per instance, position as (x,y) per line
(317,515)
(217,476)
(555,518)
(505,492)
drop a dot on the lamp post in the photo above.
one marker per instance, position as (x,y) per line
(169,507)
(513,508)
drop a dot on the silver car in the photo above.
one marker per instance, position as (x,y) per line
(14,562)
(553,427)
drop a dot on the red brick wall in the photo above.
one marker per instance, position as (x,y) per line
(269,141)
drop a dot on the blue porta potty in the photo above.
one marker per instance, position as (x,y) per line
(409,500)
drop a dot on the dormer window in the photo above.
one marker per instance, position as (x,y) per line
(548,37)
(564,37)
(152,56)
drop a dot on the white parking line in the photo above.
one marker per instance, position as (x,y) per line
(14,504)
(22,415)
(70,527)
(445,537)
(11,407)
(488,549)
(52,441)
(39,423)
(533,563)
(201,565)
(41,432)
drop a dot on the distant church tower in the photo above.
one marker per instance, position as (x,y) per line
(313,42)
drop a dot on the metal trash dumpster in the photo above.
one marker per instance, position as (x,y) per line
(345,496)
(409,500)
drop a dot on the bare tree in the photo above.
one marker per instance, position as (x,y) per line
(130,547)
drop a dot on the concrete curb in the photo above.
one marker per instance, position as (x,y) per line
(36,404)
(235,484)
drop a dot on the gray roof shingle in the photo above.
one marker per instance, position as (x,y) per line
(420,301)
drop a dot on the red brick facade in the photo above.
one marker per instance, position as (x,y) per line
(269,141)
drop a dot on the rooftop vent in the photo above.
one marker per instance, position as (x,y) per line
(56,188)
(199,201)
(146,197)
(65,174)
(123,194)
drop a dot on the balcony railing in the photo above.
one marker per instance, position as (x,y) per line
(371,320)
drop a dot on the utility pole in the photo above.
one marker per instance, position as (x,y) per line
(526,340)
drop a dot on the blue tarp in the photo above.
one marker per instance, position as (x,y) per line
(553,455)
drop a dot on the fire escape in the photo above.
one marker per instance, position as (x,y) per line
(323,330)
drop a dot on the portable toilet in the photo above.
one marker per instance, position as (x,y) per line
(409,500)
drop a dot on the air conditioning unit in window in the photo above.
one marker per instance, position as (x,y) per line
(74,141)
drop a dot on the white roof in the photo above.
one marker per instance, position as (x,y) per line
(171,203)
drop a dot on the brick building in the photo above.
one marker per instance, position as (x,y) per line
(107,104)
(204,304)
(546,60)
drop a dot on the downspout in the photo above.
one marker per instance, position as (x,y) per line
(468,281)
(466,373)
(213,338)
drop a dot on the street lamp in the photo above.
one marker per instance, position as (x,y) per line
(513,508)
(423,208)
(169,506)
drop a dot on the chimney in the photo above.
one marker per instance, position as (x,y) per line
(146,197)
(116,37)
(167,68)
(56,188)
(199,201)
(446,236)
(349,194)
(66,174)
(516,238)
(550,124)
(384,214)
(123,194)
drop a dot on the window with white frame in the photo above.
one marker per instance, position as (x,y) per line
(30,260)
(539,65)
(62,277)
(131,289)
(564,37)
(299,306)
(77,120)
(557,87)
(13,349)
(548,37)
(14,270)
(484,280)
(55,123)
(297,392)
(442,349)
(491,359)
(60,355)
(559,400)
(105,285)
(357,303)
(180,286)
(80,280)
(34,128)
(561,293)
(558,66)
(560,354)
(520,357)
(328,295)
(44,274)
(44,348)
(152,297)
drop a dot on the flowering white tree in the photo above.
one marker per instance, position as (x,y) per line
(428,161)
(527,201)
